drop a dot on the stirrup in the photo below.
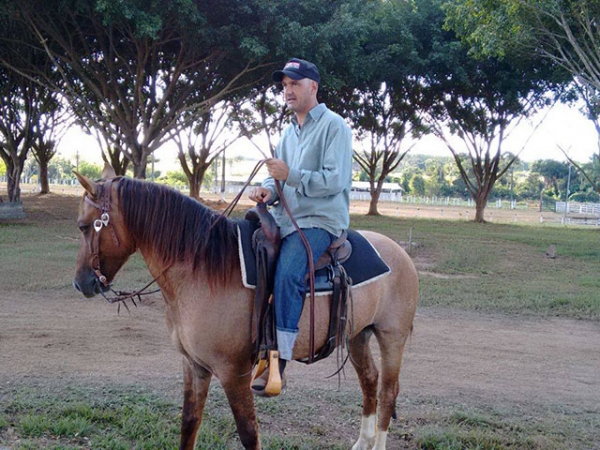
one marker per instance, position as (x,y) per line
(274,383)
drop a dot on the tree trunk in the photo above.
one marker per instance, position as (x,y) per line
(116,159)
(195,178)
(375,193)
(139,170)
(194,183)
(13,176)
(480,204)
(44,182)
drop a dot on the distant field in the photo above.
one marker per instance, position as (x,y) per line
(410,210)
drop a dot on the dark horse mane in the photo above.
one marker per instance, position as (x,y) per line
(179,228)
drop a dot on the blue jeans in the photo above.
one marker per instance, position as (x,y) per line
(290,283)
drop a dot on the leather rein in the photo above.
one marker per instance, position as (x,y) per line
(311,264)
(103,205)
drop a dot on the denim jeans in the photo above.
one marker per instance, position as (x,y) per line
(290,283)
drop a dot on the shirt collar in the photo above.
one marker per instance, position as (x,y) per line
(315,113)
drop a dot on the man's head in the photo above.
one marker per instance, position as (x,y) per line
(297,69)
(300,81)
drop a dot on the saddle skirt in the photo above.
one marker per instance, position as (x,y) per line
(364,265)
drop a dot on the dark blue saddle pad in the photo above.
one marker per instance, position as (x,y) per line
(363,266)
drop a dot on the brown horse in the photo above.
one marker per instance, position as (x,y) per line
(193,254)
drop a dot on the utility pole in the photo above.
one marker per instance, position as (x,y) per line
(223,174)
(568,189)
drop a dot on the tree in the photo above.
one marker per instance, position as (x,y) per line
(131,69)
(417,185)
(477,105)
(201,144)
(59,168)
(48,131)
(564,32)
(90,170)
(382,95)
(384,118)
(551,172)
(29,111)
(262,114)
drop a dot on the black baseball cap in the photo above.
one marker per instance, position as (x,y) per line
(297,69)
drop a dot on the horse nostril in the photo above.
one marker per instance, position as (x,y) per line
(76,285)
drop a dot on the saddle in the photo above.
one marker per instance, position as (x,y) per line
(266,243)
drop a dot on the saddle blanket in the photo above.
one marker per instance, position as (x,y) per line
(364,265)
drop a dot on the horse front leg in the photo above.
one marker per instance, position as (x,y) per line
(196,382)
(241,401)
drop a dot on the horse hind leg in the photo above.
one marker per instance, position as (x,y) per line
(392,347)
(368,376)
(378,410)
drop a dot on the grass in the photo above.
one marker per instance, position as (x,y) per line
(124,417)
(490,430)
(501,268)
(484,267)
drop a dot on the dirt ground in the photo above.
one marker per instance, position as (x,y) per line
(458,357)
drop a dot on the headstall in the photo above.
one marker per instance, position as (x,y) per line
(103,205)
(102,222)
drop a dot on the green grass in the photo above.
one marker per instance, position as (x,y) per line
(125,417)
(501,268)
(491,430)
(49,251)
(484,267)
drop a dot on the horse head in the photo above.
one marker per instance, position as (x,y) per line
(105,242)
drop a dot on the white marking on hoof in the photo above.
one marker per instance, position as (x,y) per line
(380,440)
(367,433)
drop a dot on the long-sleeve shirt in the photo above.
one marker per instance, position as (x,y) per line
(317,190)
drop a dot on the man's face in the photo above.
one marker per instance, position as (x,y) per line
(299,95)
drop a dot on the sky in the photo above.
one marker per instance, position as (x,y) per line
(562,126)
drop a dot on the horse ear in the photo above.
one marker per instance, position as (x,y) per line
(108,172)
(90,186)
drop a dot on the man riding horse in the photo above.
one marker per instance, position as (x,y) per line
(313,164)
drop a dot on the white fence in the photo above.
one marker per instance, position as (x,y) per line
(397,197)
(590,209)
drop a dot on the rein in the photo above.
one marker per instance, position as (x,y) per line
(103,205)
(311,264)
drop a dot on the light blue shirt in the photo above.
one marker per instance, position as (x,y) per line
(317,190)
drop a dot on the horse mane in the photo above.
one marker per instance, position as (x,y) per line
(179,228)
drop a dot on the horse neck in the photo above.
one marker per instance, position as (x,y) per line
(172,230)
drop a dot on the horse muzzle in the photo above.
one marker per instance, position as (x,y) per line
(89,285)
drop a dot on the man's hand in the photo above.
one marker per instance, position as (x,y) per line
(278,169)
(259,195)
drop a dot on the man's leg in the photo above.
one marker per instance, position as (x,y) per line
(289,290)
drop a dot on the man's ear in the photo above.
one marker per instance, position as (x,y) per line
(90,186)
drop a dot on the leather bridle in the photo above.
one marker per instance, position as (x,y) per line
(103,205)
